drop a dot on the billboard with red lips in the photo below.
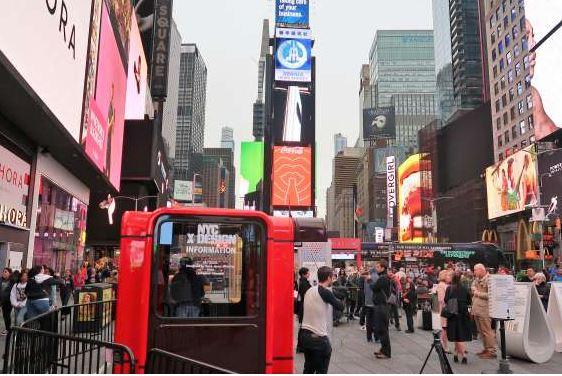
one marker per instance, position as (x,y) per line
(292,177)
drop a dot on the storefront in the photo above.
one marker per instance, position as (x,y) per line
(346,252)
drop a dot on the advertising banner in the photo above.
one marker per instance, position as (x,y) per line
(183,191)
(161,48)
(96,136)
(293,57)
(136,76)
(550,171)
(414,215)
(512,184)
(292,177)
(541,17)
(14,189)
(379,123)
(294,213)
(390,189)
(292,13)
(251,166)
(293,116)
(47,43)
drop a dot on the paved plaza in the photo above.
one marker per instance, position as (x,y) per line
(352,354)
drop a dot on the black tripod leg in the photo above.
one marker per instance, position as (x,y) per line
(443,360)
(427,358)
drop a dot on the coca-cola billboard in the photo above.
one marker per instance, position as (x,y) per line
(14,189)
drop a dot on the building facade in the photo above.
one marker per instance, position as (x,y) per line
(170,113)
(228,186)
(190,131)
(412,113)
(340,143)
(227,138)
(259,104)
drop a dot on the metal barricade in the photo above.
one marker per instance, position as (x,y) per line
(164,362)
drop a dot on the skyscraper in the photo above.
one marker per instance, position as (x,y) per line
(340,143)
(190,131)
(259,104)
(227,138)
(228,185)
(169,121)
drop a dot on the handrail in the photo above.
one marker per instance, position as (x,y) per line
(202,366)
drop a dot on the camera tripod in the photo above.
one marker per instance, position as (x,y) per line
(443,361)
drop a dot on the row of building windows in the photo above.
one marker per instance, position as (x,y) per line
(516,148)
(516,130)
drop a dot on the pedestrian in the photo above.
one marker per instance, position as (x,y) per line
(543,289)
(381,293)
(394,301)
(5,290)
(187,289)
(18,299)
(444,282)
(480,311)
(529,275)
(410,302)
(353,294)
(91,275)
(38,284)
(78,280)
(359,311)
(66,291)
(458,325)
(319,301)
(303,286)
(369,307)
(558,276)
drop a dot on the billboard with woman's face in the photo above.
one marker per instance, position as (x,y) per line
(541,17)
(512,184)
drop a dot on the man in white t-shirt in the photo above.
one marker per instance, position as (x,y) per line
(317,319)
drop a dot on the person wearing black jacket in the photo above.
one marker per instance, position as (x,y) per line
(5,290)
(303,287)
(37,291)
(410,301)
(381,292)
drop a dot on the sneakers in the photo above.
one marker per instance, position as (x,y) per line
(409,331)
(4,333)
(364,328)
(381,356)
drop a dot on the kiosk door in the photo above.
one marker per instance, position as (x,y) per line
(208,291)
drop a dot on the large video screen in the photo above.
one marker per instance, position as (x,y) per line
(541,16)
(379,123)
(512,184)
(293,116)
(136,76)
(251,166)
(550,170)
(414,196)
(292,177)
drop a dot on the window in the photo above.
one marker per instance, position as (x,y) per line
(522,24)
(509,58)
(499,29)
(498,106)
(495,70)
(531,140)
(530,122)
(492,21)
(504,100)
(522,127)
(516,50)
(519,88)
(500,157)
(502,65)
(513,14)
(503,6)
(528,81)
(507,39)
(226,259)
(498,123)
(510,77)
(523,144)
(524,44)
(514,132)
(500,47)
(512,113)
(515,32)
(493,37)
(494,55)
(521,107)
(500,143)
(517,69)
(506,137)
(511,94)
(505,22)
(502,82)
(496,88)
(529,101)
(515,148)
(498,16)
(526,62)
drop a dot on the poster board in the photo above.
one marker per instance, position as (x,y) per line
(554,313)
(501,292)
(529,335)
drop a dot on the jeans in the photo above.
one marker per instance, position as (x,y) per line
(394,315)
(20,315)
(317,352)
(36,307)
(187,310)
(370,323)
(7,313)
(381,327)
(409,317)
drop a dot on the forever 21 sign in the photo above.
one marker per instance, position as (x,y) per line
(14,189)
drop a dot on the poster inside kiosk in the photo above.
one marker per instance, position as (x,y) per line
(554,313)
(528,334)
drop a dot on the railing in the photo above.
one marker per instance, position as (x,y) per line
(71,339)
(162,362)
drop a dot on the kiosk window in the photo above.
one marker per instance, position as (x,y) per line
(208,269)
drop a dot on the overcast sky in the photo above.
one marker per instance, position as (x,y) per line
(228,35)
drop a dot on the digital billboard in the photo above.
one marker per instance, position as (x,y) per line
(47,43)
(136,76)
(103,132)
(550,170)
(292,177)
(379,123)
(293,116)
(293,57)
(14,189)
(414,192)
(512,184)
(292,13)
(251,166)
(541,16)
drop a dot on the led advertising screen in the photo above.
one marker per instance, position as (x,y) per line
(103,133)
(550,171)
(47,43)
(512,184)
(541,16)
(292,177)
(379,123)
(293,57)
(293,116)
(292,13)
(136,76)
(14,189)
(251,166)
(414,212)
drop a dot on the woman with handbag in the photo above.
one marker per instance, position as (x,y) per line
(457,301)
(444,282)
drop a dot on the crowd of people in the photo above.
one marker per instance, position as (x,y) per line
(377,296)
(27,293)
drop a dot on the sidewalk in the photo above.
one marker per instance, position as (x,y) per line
(352,354)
